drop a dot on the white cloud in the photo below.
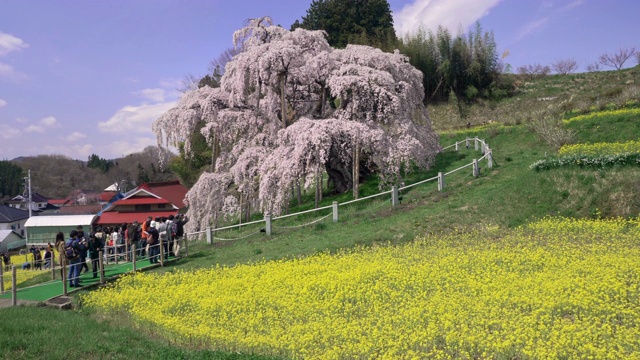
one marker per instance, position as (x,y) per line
(21,120)
(156,95)
(135,118)
(123,147)
(74,151)
(7,132)
(8,72)
(10,43)
(2,103)
(76,136)
(34,129)
(171,83)
(451,14)
(531,27)
(49,121)
(572,5)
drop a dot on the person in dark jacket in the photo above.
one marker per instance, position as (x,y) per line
(95,247)
(153,240)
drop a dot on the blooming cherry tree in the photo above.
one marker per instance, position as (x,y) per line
(291,108)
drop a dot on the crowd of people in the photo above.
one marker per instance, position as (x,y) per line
(118,241)
(115,242)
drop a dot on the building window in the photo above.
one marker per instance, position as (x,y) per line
(143,207)
(162,206)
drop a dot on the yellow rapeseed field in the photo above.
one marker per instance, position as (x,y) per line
(24,275)
(601,148)
(558,288)
(596,114)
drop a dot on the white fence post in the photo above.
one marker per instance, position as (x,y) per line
(267,220)
(394,196)
(209,236)
(456,146)
(476,170)
(489,159)
(467,143)
(475,143)
(335,211)
(440,181)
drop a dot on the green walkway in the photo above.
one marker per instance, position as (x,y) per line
(53,288)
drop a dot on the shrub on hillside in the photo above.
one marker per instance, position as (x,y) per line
(599,161)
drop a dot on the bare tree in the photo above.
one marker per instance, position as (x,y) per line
(535,70)
(618,59)
(593,67)
(565,66)
(638,57)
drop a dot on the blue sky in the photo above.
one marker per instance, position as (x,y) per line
(79,77)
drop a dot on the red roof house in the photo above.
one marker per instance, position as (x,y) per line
(152,199)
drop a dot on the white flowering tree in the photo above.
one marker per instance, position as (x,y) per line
(291,108)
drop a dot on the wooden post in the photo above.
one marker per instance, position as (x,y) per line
(440,181)
(456,146)
(489,159)
(209,236)
(475,141)
(14,291)
(467,143)
(162,251)
(64,276)
(101,267)
(133,256)
(1,277)
(267,220)
(186,248)
(394,196)
(53,265)
(476,170)
(335,211)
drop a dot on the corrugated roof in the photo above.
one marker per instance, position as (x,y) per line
(60,220)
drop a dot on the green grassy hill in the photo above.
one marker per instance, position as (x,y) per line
(507,196)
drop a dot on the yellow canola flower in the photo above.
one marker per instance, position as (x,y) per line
(602,148)
(557,288)
(597,114)
(26,274)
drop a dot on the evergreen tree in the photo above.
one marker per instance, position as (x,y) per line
(361,22)
(11,179)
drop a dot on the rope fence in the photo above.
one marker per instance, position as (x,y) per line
(111,261)
(468,143)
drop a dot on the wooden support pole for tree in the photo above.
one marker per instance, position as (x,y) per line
(356,167)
